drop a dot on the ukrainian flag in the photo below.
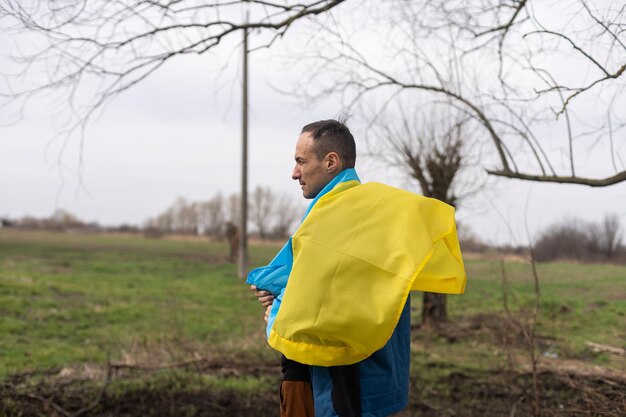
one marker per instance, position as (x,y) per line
(354,259)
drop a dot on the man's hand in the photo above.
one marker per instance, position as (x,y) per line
(267,312)
(265,297)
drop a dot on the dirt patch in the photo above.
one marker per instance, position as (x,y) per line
(131,390)
(511,394)
(487,328)
(140,402)
(458,394)
(492,329)
(509,257)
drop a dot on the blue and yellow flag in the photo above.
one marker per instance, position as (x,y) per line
(343,278)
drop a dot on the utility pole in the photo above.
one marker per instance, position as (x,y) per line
(243,221)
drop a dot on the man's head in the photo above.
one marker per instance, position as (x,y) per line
(323,150)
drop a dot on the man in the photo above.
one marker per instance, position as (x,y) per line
(378,385)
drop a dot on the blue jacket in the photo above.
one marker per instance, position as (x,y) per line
(384,376)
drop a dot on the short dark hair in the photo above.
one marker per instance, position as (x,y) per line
(332,136)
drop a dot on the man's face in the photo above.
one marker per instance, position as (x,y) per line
(311,173)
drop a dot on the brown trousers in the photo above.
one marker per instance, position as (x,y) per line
(296,399)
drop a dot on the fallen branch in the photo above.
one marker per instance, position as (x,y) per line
(159,366)
(48,401)
(81,411)
(98,398)
(596,347)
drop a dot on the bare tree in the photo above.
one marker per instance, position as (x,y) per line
(233,208)
(163,223)
(211,216)
(605,237)
(542,83)
(431,148)
(567,239)
(89,52)
(185,216)
(232,235)
(285,214)
(430,144)
(64,220)
(180,217)
(262,208)
(611,238)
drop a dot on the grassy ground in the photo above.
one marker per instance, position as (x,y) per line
(68,299)
(69,303)
(579,303)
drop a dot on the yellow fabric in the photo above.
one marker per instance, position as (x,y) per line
(356,257)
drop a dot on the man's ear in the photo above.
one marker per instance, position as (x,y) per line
(332,161)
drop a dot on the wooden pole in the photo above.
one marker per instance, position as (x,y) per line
(243,221)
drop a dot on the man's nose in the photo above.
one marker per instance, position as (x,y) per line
(296,174)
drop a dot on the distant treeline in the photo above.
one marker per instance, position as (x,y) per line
(579,240)
(275,216)
(271,216)
(568,239)
(60,220)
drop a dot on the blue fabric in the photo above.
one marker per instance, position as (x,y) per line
(384,376)
(273,277)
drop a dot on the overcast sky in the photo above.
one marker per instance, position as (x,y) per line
(178,134)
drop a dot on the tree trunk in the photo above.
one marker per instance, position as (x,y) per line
(434,309)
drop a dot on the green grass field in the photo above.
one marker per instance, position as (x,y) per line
(68,298)
(72,300)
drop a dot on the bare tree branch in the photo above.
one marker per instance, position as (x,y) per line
(456,51)
(449,49)
(123,42)
(604,182)
(506,26)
